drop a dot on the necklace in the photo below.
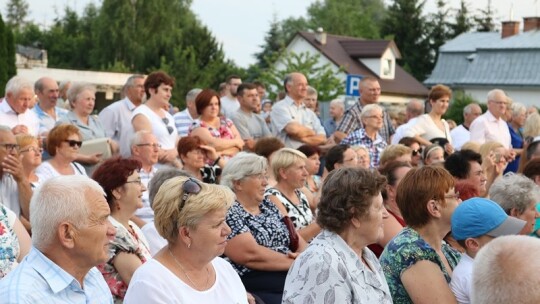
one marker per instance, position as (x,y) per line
(184,271)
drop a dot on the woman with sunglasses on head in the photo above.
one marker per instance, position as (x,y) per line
(63,143)
(129,249)
(152,116)
(195,156)
(190,215)
(260,244)
(214,129)
(416,147)
(417,263)
(30,153)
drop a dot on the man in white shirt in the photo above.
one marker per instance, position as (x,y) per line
(491,126)
(461,133)
(229,102)
(414,109)
(116,118)
(14,110)
(184,119)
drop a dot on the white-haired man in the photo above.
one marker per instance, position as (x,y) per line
(491,126)
(414,109)
(67,245)
(14,111)
(336,112)
(461,134)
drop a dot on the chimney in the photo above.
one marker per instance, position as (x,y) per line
(509,28)
(320,36)
(531,23)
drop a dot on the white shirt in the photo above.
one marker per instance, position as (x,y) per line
(10,118)
(401,130)
(116,120)
(462,279)
(9,193)
(488,128)
(154,283)
(426,128)
(229,106)
(155,241)
(460,136)
(159,128)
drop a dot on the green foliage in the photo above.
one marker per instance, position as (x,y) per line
(439,26)
(3,56)
(463,21)
(323,78)
(484,20)
(17,11)
(459,101)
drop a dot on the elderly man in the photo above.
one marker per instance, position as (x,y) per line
(145,148)
(414,109)
(15,190)
(491,126)
(116,118)
(67,245)
(370,90)
(336,111)
(229,102)
(250,125)
(461,133)
(184,119)
(47,109)
(14,111)
(506,271)
(292,122)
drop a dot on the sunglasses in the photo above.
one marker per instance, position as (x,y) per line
(166,122)
(190,186)
(72,143)
(417,152)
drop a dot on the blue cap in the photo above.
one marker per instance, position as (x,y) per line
(479,216)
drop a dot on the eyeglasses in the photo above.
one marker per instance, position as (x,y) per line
(454,196)
(190,186)
(260,176)
(149,145)
(137,181)
(375,116)
(33,149)
(11,147)
(417,152)
(72,143)
(166,122)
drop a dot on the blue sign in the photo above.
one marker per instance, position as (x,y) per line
(353,85)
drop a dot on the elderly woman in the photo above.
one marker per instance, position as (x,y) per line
(518,196)
(394,172)
(195,156)
(260,247)
(152,116)
(190,215)
(30,152)
(532,171)
(417,263)
(313,163)
(368,136)
(14,241)
(63,143)
(219,132)
(515,126)
(82,99)
(432,126)
(397,152)
(337,267)
(362,156)
(289,168)
(266,147)
(129,249)
(433,154)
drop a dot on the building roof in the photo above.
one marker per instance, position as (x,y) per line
(345,52)
(30,52)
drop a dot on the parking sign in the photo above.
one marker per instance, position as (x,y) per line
(353,85)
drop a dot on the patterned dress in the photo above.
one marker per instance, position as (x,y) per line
(9,243)
(224,131)
(405,250)
(301,214)
(124,241)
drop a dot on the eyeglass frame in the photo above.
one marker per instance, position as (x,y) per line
(156,145)
(11,147)
(417,151)
(34,149)
(166,122)
(72,143)
(187,192)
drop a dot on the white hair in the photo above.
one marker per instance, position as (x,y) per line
(137,137)
(240,166)
(16,84)
(192,94)
(514,191)
(338,102)
(506,271)
(493,93)
(517,108)
(368,109)
(468,108)
(59,199)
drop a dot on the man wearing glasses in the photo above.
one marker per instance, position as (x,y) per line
(491,126)
(15,190)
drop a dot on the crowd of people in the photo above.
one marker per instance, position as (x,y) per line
(238,199)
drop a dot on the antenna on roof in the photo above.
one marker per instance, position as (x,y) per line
(512,10)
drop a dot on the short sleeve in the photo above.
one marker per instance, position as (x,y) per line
(279,117)
(235,220)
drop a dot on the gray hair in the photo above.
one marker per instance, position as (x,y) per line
(338,102)
(493,93)
(415,107)
(192,94)
(368,109)
(468,108)
(311,91)
(16,84)
(51,205)
(160,177)
(506,271)
(514,191)
(517,108)
(77,88)
(131,80)
(137,137)
(240,166)
(38,86)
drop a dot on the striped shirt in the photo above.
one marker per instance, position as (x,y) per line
(183,121)
(39,280)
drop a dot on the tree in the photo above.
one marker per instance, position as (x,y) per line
(321,77)
(463,21)
(484,19)
(17,11)
(3,57)
(459,100)
(406,25)
(439,27)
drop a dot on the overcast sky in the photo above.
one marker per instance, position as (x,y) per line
(240,25)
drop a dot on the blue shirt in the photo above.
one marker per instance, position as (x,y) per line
(330,126)
(116,120)
(517,142)
(39,280)
(46,122)
(182,121)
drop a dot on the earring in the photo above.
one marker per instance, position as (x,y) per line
(188,245)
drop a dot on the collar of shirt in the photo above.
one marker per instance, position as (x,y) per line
(56,277)
(129,104)
(6,108)
(290,102)
(378,137)
(492,118)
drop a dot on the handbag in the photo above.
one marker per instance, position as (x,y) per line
(293,235)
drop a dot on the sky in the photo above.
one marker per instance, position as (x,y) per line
(240,25)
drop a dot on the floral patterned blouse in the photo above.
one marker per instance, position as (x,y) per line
(266,228)
(224,131)
(124,241)
(404,251)
(329,271)
(9,243)
(301,214)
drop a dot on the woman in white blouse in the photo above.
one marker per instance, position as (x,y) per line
(432,125)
